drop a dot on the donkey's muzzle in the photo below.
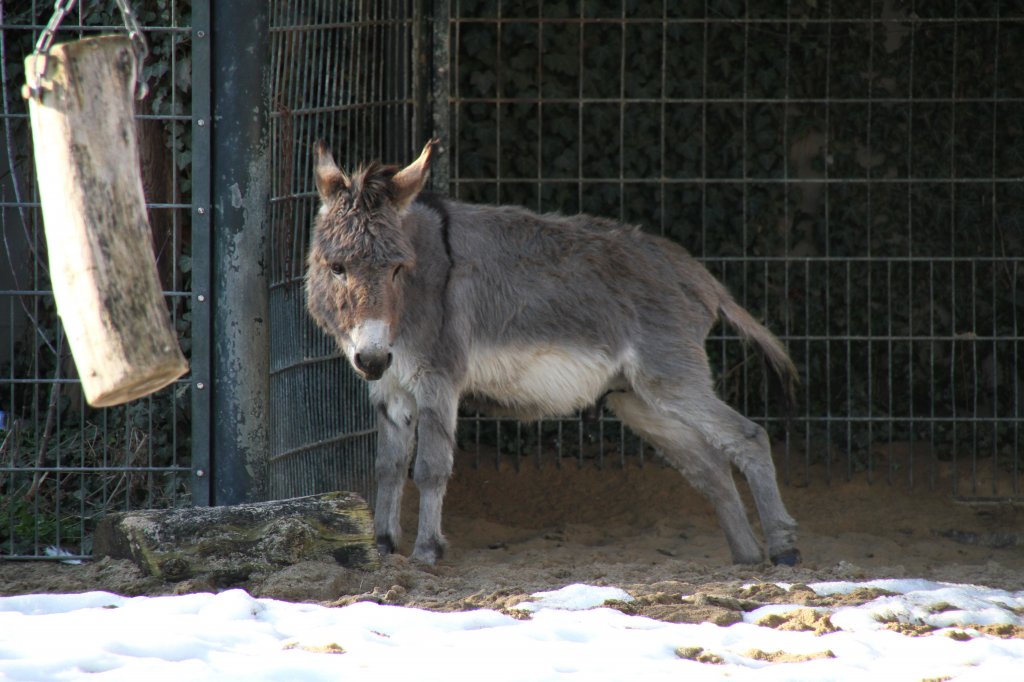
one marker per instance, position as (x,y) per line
(371,365)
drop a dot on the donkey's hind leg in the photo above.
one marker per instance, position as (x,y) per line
(686,450)
(746,445)
(737,440)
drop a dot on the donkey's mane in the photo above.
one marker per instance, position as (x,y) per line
(371,185)
(362,235)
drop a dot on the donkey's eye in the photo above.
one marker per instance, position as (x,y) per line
(395,272)
(338,269)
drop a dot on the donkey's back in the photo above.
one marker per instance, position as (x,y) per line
(533,315)
(554,312)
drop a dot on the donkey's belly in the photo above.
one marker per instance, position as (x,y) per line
(542,380)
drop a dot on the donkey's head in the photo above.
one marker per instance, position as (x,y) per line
(361,255)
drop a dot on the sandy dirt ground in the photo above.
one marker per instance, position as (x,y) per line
(514,532)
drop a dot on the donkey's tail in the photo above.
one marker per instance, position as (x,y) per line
(754,332)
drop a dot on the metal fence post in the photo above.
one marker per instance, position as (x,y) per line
(440,93)
(240,335)
(201,261)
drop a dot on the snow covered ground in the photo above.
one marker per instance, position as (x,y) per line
(563,635)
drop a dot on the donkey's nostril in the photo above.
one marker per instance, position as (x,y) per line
(387,363)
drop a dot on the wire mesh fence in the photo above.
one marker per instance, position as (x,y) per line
(62,463)
(852,170)
(344,73)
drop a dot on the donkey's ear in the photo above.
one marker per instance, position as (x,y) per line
(329,178)
(410,180)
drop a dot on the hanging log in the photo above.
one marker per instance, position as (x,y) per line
(100,248)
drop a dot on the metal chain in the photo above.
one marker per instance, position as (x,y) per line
(134,31)
(61,8)
(42,51)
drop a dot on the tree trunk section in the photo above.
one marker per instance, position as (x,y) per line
(98,239)
(228,544)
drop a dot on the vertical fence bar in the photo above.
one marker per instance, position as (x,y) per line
(240,192)
(201,211)
(441,108)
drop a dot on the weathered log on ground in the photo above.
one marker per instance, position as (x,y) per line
(100,249)
(228,544)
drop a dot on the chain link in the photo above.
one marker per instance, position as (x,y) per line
(134,31)
(60,10)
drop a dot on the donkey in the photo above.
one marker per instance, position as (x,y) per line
(433,300)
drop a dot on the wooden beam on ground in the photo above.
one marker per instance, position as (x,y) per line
(227,544)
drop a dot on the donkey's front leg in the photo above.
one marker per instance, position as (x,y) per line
(435,441)
(396,428)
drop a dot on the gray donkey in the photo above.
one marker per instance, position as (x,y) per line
(529,315)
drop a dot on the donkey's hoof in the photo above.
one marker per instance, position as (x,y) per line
(429,552)
(789,557)
(385,545)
